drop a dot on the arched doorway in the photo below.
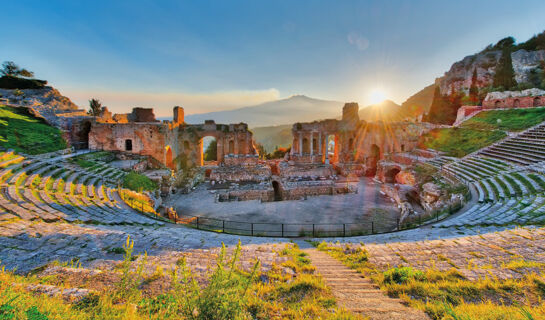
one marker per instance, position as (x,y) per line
(497,104)
(83,135)
(390,175)
(168,158)
(209,149)
(331,149)
(516,103)
(277,191)
(128,145)
(537,102)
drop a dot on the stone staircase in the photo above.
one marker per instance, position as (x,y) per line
(357,293)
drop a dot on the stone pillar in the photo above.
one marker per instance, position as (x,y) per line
(236,143)
(300,143)
(311,143)
(320,143)
(247,151)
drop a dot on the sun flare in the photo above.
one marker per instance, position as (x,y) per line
(377,96)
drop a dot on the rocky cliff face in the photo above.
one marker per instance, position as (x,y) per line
(459,75)
(47,97)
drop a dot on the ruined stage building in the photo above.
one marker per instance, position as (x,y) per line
(170,142)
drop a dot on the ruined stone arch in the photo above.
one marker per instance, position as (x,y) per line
(516,103)
(390,175)
(277,190)
(128,144)
(537,102)
(497,104)
(186,146)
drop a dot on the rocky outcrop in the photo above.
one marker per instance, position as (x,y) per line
(47,97)
(459,75)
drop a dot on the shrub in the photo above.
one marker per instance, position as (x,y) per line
(402,275)
(138,182)
(10,82)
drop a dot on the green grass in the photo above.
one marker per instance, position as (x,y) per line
(447,294)
(21,131)
(458,142)
(228,293)
(138,182)
(510,120)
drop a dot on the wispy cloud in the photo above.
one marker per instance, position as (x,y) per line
(124,101)
(355,39)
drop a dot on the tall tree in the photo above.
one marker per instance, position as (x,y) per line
(505,74)
(473,89)
(95,108)
(211,152)
(9,68)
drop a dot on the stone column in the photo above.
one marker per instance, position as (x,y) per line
(311,143)
(236,144)
(300,143)
(247,151)
(320,143)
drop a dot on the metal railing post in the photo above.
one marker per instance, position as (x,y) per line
(398,224)
(223,226)
(372,227)
(197,222)
(252,229)
(282,230)
(313,230)
(344,230)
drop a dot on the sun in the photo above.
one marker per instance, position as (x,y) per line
(377,96)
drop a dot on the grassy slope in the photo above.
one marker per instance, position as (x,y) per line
(23,132)
(448,295)
(510,120)
(228,295)
(458,142)
(138,182)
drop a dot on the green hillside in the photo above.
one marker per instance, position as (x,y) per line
(21,131)
(272,137)
(510,120)
(458,142)
(420,101)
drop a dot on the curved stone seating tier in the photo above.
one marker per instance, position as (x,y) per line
(529,210)
(525,148)
(506,156)
(73,195)
(49,175)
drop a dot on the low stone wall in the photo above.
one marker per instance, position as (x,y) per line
(241,159)
(287,170)
(351,169)
(255,173)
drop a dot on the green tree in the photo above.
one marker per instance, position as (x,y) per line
(543,74)
(505,74)
(444,108)
(211,152)
(474,89)
(95,108)
(9,68)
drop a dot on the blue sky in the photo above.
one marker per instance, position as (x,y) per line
(214,55)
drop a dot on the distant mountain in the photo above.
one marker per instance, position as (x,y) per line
(297,108)
(386,110)
(272,137)
(420,101)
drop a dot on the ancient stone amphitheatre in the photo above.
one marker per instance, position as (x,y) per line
(433,213)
